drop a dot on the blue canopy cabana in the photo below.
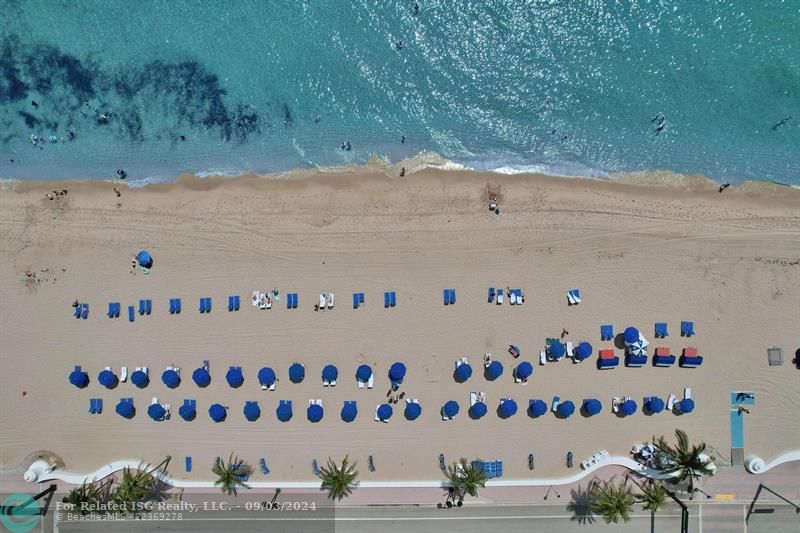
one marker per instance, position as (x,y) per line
(171,378)
(107,379)
(297,373)
(330,373)
(284,411)
(314,413)
(556,350)
(201,377)
(144,259)
(478,410)
(582,351)
(628,407)
(156,411)
(630,335)
(592,406)
(537,407)
(79,378)
(413,410)
(450,408)
(566,409)
(494,370)
(125,409)
(654,404)
(524,370)
(463,372)
(217,412)
(397,372)
(686,405)
(384,412)
(188,411)
(349,411)
(508,407)
(234,377)
(363,373)
(266,376)
(140,379)
(252,411)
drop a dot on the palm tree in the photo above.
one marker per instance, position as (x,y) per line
(613,502)
(465,479)
(689,462)
(653,496)
(231,475)
(138,485)
(338,480)
(86,496)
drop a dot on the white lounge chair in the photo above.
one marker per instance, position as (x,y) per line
(264,386)
(268,301)
(123,374)
(330,300)
(146,370)
(570,298)
(487,359)
(319,402)
(543,357)
(168,410)
(371,382)
(473,398)
(311,402)
(687,393)
(512,299)
(325,382)
(262,300)
(615,401)
(155,400)
(671,401)
(332,383)
(569,349)
(256,298)
(499,297)
(108,368)
(322,301)
(576,297)
(360,384)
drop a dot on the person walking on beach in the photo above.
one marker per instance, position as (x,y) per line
(724,186)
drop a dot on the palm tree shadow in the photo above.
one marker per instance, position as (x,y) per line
(580,506)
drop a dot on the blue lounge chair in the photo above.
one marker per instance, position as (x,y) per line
(446,296)
(84,311)
(172,306)
(263,464)
(77,312)
(91,406)
(355,300)
(291,300)
(491,294)
(177,306)
(131,313)
(387,300)
(188,463)
(230,303)
(236,302)
(111,309)
(314,467)
(360,298)
(635,361)
(687,329)
(141,307)
(606,332)
(498,468)
(661,330)
(117,309)
(392,296)
(98,405)
(148,306)
(452,296)
(604,364)
(208,305)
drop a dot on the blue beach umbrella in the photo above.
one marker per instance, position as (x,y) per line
(628,407)
(508,408)
(397,372)
(188,411)
(156,411)
(79,378)
(413,410)
(478,410)
(592,406)
(252,411)
(556,350)
(140,379)
(494,370)
(107,379)
(297,373)
(171,378)
(538,407)
(330,373)
(630,335)
(314,413)
(686,405)
(654,404)
(524,370)
(583,351)
(234,377)
(566,409)
(363,373)
(125,409)
(266,376)
(284,412)
(349,411)
(217,412)
(201,377)
(450,409)
(385,412)
(463,372)
(144,259)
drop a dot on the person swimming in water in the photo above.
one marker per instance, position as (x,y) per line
(781,123)
(416,8)
(402,139)
(399,45)
(121,174)
(658,118)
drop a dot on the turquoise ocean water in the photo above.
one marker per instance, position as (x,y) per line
(568,86)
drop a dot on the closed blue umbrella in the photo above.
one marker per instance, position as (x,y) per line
(235,377)
(266,376)
(217,412)
(297,373)
(583,351)
(314,413)
(385,411)
(628,407)
(363,373)
(284,412)
(508,408)
(156,411)
(592,406)
(188,411)
(524,369)
(397,372)
(450,408)
(140,379)
(107,379)
(201,377)
(463,372)
(478,409)
(654,404)
(79,378)
(125,409)
(144,259)
(349,411)
(566,409)
(556,350)
(330,373)
(630,335)
(171,378)
(686,405)
(252,411)
(494,370)
(538,407)
(413,410)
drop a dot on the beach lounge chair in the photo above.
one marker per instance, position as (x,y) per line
(452,296)
(491,294)
(371,463)
(392,298)
(690,359)
(446,296)
(84,311)
(256,298)
(355,300)
(543,357)
(141,307)
(671,402)
(441,462)
(98,405)
(386,299)
(110,309)
(360,298)
(554,404)
(498,468)
(687,393)
(230,303)
(148,306)
(172,306)
(687,329)
(322,301)
(499,296)
(77,312)
(663,357)
(576,295)
(123,374)
(615,403)
(606,332)
(530,461)
(371,382)
(188,463)
(635,361)
(487,359)
(331,300)
(570,298)
(473,398)
(512,298)
(569,349)
(91,406)
(315,467)
(262,463)
(661,330)
(606,359)
(177,306)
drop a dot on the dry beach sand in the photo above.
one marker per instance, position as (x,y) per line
(639,254)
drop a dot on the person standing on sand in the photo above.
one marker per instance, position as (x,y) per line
(724,186)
